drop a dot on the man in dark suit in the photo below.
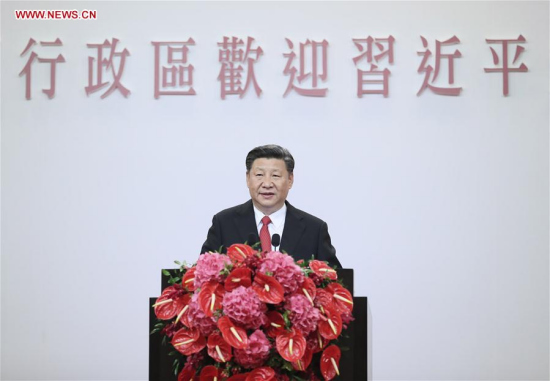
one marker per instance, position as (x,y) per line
(269,177)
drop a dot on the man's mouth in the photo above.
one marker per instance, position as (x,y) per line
(267,194)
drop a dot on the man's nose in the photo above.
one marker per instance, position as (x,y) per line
(267,183)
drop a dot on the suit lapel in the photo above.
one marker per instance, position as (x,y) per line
(246,222)
(293,231)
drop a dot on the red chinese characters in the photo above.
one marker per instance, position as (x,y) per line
(34,56)
(505,69)
(102,63)
(176,76)
(306,68)
(234,60)
(373,50)
(431,73)
(315,54)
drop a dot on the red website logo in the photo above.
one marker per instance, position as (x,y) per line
(58,14)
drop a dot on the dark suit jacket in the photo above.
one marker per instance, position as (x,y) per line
(304,235)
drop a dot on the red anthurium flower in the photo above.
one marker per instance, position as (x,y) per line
(239,252)
(330,359)
(170,303)
(323,270)
(184,300)
(187,374)
(210,297)
(317,342)
(291,345)
(341,298)
(330,325)
(188,280)
(304,362)
(188,341)
(238,277)
(323,299)
(308,289)
(238,377)
(218,348)
(276,324)
(235,336)
(261,374)
(210,373)
(185,317)
(269,290)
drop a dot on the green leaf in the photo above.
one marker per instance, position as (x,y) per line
(226,269)
(275,361)
(177,263)
(287,318)
(166,272)
(287,366)
(175,365)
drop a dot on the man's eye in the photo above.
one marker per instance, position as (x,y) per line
(276,176)
(259,175)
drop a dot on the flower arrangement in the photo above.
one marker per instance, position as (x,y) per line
(248,316)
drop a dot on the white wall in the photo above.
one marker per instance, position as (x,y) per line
(439,203)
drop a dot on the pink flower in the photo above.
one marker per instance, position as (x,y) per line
(312,376)
(170,329)
(284,270)
(347,318)
(244,308)
(194,361)
(197,318)
(303,316)
(316,279)
(209,266)
(256,353)
(253,261)
(281,377)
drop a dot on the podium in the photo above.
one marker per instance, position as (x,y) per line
(353,363)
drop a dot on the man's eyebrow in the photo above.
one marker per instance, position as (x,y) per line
(264,169)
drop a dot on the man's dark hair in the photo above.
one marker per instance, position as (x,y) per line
(270,151)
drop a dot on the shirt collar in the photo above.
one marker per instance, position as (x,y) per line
(277,218)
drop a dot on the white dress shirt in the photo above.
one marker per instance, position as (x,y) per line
(277,224)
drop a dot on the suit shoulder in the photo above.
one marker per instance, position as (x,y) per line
(309,218)
(231,212)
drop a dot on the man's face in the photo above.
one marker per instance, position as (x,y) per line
(269,182)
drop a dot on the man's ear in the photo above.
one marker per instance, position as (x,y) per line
(248,179)
(291,178)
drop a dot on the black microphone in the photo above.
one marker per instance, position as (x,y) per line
(276,240)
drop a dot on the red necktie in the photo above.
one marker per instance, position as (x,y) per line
(265,238)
